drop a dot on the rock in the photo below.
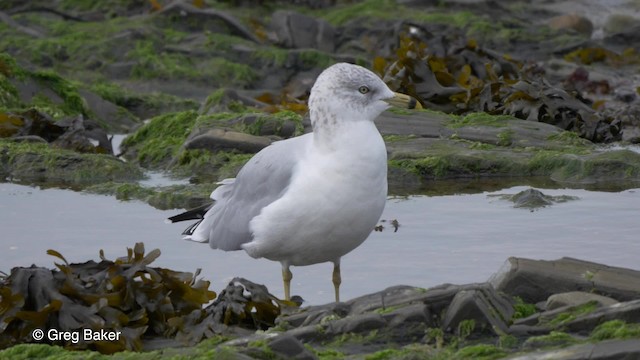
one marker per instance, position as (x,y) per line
(628,311)
(555,339)
(28,88)
(83,136)
(29,139)
(39,124)
(420,124)
(573,22)
(625,95)
(221,139)
(290,348)
(533,199)
(183,16)
(266,125)
(314,315)
(619,23)
(489,310)
(391,297)
(536,280)
(627,38)
(116,118)
(299,86)
(605,350)
(119,69)
(225,100)
(38,163)
(297,31)
(361,323)
(575,298)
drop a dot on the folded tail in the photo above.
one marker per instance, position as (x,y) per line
(192,214)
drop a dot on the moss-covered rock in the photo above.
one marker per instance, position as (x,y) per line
(163,143)
(41,163)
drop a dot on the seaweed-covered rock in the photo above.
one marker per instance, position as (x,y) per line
(41,163)
(126,295)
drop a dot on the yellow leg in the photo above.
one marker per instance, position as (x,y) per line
(286,278)
(337,280)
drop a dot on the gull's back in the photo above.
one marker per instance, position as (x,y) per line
(262,180)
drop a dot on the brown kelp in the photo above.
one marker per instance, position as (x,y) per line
(457,75)
(127,296)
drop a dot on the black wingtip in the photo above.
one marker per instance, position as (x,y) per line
(193,214)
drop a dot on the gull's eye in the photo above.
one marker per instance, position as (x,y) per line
(363,89)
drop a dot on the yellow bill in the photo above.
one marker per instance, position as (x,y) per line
(404,101)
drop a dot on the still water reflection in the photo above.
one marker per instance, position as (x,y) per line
(453,238)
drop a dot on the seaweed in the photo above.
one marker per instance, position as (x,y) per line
(126,295)
(458,76)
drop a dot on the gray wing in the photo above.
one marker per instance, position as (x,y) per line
(260,182)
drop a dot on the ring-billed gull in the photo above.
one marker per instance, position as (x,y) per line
(313,198)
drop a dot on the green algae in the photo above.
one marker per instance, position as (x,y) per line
(154,102)
(367,9)
(207,349)
(522,310)
(569,138)
(159,140)
(573,313)
(152,62)
(480,352)
(478,119)
(553,339)
(69,102)
(615,329)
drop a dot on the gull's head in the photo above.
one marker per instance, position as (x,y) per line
(346,92)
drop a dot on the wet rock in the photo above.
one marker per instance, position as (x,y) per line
(221,139)
(575,298)
(536,280)
(489,310)
(573,22)
(297,31)
(534,199)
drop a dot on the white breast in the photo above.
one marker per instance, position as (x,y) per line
(331,206)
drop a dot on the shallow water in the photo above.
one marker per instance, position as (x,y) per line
(454,238)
